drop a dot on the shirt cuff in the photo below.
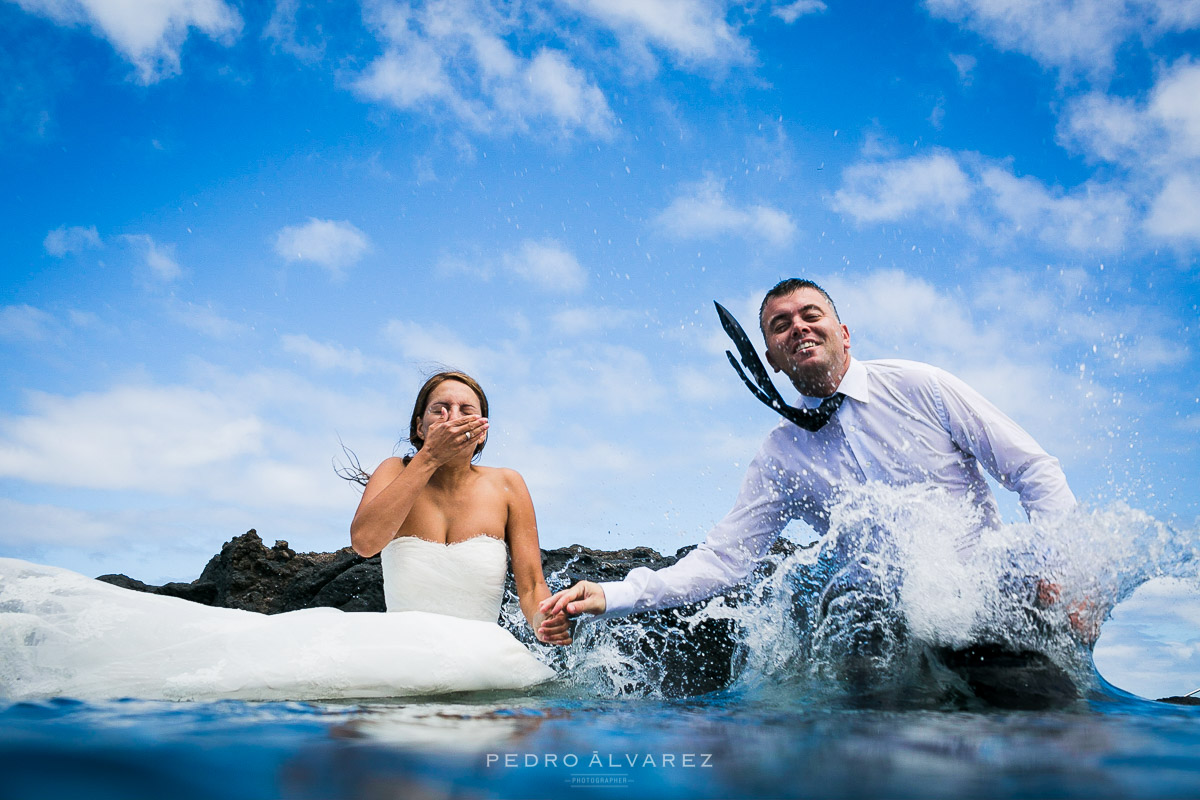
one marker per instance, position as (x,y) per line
(619,599)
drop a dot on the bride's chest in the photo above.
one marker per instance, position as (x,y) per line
(455,515)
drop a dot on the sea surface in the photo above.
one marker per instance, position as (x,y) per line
(723,745)
(863,667)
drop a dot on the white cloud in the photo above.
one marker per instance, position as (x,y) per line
(149,34)
(1149,646)
(259,442)
(26,323)
(408,76)
(1089,217)
(1074,35)
(452,55)
(1111,128)
(284,29)
(1175,213)
(25,524)
(793,11)
(564,93)
(548,265)
(1174,15)
(892,190)
(987,198)
(545,263)
(1055,378)
(332,244)
(127,438)
(895,315)
(61,241)
(703,211)
(691,30)
(83,319)
(474,263)
(436,346)
(1173,103)
(1162,134)
(964,64)
(206,321)
(584,321)
(614,379)
(705,386)
(1156,142)
(328,356)
(159,258)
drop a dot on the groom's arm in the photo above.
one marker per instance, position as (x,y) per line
(724,559)
(728,554)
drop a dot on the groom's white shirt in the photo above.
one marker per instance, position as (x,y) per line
(902,423)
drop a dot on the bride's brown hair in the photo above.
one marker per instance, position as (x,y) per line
(435,381)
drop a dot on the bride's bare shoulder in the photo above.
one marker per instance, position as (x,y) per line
(503,476)
(388,469)
(393,463)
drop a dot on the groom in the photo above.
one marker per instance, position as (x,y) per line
(891,421)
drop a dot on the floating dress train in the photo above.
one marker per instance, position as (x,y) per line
(63,634)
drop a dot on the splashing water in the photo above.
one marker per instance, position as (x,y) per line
(908,599)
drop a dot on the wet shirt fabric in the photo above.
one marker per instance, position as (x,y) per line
(902,423)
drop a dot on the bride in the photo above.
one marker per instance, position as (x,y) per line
(438,500)
(441,524)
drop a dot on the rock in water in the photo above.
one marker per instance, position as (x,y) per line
(1012,679)
(246,574)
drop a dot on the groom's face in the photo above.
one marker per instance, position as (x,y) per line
(806,341)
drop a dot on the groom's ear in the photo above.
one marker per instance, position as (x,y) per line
(771,361)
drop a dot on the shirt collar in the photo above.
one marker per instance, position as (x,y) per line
(853,385)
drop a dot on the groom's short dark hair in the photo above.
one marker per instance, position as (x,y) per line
(786,287)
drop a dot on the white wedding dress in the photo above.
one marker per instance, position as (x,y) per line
(63,634)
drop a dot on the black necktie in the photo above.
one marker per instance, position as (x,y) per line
(811,419)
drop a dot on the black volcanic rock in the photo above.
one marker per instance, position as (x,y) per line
(248,575)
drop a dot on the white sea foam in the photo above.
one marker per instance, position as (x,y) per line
(903,577)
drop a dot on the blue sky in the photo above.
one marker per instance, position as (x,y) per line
(237,232)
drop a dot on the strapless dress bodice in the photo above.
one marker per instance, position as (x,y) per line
(464,579)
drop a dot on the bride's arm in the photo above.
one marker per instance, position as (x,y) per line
(394,487)
(386,501)
(521,532)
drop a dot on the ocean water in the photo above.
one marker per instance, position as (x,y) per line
(866,666)
(724,745)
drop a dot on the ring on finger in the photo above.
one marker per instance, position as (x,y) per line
(468,435)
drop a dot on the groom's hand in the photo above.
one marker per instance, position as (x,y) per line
(552,629)
(1082,614)
(584,597)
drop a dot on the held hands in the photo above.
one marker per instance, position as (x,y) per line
(1082,614)
(555,629)
(584,597)
(448,439)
